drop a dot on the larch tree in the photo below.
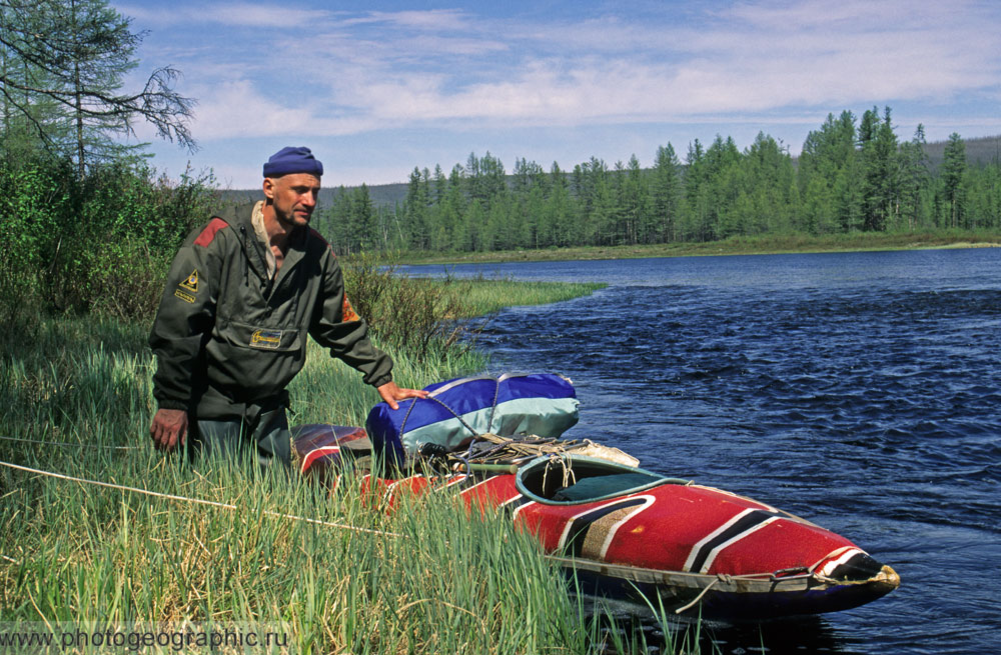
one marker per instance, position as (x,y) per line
(914,176)
(953,168)
(665,192)
(78,53)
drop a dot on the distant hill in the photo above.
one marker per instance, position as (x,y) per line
(979,151)
(383,195)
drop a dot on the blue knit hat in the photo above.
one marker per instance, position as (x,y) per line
(292,160)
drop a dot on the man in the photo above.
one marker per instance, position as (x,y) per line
(241,296)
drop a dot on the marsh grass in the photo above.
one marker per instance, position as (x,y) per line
(424,578)
(485,296)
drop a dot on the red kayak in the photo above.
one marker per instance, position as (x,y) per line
(628,533)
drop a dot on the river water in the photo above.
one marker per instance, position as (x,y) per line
(861,391)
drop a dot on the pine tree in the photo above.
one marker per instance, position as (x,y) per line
(914,177)
(416,210)
(29,119)
(634,201)
(828,177)
(454,212)
(76,54)
(721,186)
(879,167)
(558,224)
(696,193)
(364,223)
(665,192)
(983,196)
(768,188)
(953,168)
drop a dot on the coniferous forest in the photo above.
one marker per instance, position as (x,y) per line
(853,175)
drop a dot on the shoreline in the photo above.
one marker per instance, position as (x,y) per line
(793,244)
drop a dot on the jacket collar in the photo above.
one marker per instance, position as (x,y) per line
(240,217)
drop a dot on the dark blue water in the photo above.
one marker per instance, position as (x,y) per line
(859,390)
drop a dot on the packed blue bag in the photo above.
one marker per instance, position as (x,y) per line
(457,410)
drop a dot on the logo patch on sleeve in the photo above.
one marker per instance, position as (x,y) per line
(268,339)
(349,312)
(191,282)
(184,296)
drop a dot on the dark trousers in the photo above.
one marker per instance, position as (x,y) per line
(262,436)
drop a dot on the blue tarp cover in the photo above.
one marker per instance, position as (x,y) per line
(542,404)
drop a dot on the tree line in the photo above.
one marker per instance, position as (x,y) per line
(853,175)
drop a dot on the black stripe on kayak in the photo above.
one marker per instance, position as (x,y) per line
(860,567)
(578,530)
(743,525)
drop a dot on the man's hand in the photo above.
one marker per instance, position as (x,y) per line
(169,429)
(391,393)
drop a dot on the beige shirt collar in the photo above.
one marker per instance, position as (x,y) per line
(257,218)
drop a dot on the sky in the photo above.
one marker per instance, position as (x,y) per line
(377,88)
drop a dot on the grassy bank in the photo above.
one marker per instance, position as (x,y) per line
(487,296)
(423,579)
(772,244)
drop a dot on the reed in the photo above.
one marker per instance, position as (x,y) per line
(424,578)
(486,296)
(430,318)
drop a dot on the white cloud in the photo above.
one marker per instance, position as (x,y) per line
(433,19)
(847,15)
(351,73)
(238,109)
(240,14)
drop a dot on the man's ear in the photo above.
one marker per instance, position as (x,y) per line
(269,188)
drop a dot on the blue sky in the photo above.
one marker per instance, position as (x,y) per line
(376,88)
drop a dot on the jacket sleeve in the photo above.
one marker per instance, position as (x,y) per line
(335,325)
(186,316)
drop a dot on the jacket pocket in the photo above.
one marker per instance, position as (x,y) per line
(261,337)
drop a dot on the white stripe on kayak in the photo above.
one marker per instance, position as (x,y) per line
(694,553)
(718,549)
(833,564)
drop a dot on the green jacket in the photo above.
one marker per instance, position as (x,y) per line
(225,335)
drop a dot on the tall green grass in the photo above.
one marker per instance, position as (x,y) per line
(485,296)
(426,578)
(430,580)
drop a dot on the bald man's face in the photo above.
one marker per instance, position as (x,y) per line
(293,197)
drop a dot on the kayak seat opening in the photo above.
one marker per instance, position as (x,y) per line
(598,487)
(584,481)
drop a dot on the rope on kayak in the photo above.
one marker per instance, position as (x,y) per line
(200,501)
(729,579)
(719,578)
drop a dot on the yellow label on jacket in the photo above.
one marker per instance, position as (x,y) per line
(269,339)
